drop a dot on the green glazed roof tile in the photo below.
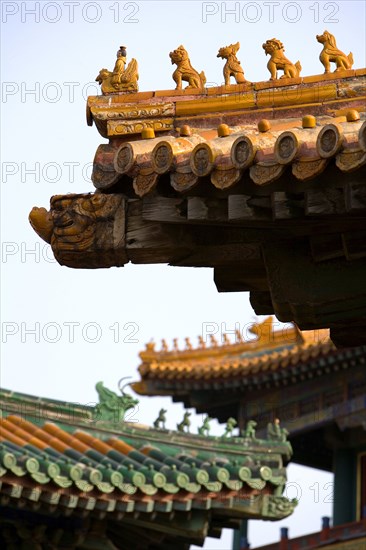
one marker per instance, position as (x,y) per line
(123,467)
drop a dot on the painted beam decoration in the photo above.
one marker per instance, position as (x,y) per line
(241,177)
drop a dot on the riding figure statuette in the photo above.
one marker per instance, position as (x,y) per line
(120,79)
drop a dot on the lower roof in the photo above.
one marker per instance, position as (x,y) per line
(84,467)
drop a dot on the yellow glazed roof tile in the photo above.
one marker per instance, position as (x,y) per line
(266,353)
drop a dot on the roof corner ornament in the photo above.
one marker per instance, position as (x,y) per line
(159,423)
(275,432)
(232,66)
(331,54)
(230,426)
(205,428)
(78,224)
(42,222)
(278,61)
(263,330)
(185,71)
(113,407)
(278,507)
(184,426)
(121,79)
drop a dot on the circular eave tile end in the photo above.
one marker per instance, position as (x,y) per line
(329,141)
(202,160)
(286,148)
(362,136)
(242,152)
(162,157)
(124,159)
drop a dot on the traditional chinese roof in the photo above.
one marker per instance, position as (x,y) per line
(298,377)
(254,131)
(264,182)
(58,461)
(271,359)
(213,378)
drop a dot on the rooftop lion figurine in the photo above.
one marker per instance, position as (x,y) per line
(331,54)
(232,66)
(185,71)
(278,60)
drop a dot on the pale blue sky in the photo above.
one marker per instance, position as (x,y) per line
(45,131)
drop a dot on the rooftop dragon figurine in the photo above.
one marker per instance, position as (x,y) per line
(112,407)
(232,66)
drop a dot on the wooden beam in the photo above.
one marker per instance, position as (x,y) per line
(153,242)
(261,302)
(207,209)
(285,208)
(324,202)
(163,209)
(195,527)
(314,295)
(356,196)
(219,255)
(247,208)
(243,277)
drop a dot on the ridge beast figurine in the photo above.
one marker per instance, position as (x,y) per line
(185,71)
(278,61)
(331,54)
(232,66)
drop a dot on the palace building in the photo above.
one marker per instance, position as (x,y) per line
(81,477)
(317,391)
(265,183)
